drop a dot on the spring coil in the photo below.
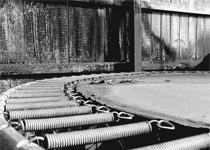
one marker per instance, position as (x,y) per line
(65,122)
(37,89)
(197,142)
(75,138)
(29,106)
(48,113)
(36,100)
(45,85)
(31,95)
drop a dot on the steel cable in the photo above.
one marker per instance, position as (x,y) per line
(75,138)
(48,113)
(197,142)
(66,122)
(29,106)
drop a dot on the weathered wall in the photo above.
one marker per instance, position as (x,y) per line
(175,37)
(61,32)
(6,84)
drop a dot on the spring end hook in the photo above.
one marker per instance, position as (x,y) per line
(163,124)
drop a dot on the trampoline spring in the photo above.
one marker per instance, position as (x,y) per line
(36,100)
(35,95)
(61,140)
(66,122)
(47,113)
(29,106)
(197,142)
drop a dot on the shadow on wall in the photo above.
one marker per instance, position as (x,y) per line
(160,50)
(204,50)
(204,65)
(157,51)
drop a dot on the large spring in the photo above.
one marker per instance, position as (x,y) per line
(197,142)
(31,95)
(29,106)
(83,137)
(66,122)
(37,89)
(45,84)
(36,100)
(47,113)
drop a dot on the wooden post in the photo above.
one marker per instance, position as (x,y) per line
(68,50)
(137,36)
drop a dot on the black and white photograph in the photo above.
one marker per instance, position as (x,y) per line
(104,74)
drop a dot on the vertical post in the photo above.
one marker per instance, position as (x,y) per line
(34,33)
(23,56)
(68,50)
(137,36)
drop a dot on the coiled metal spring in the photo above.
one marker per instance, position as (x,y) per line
(197,142)
(36,100)
(28,88)
(75,138)
(29,106)
(65,122)
(38,90)
(31,95)
(47,113)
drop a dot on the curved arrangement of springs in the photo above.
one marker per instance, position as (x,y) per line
(54,115)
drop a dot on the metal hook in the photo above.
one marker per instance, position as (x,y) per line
(160,124)
(36,138)
(103,109)
(153,121)
(87,102)
(124,115)
(76,97)
(168,125)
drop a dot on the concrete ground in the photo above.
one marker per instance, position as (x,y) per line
(181,98)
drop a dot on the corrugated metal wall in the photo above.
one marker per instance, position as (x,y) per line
(175,36)
(62,32)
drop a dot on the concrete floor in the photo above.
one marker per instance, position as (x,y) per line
(181,98)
